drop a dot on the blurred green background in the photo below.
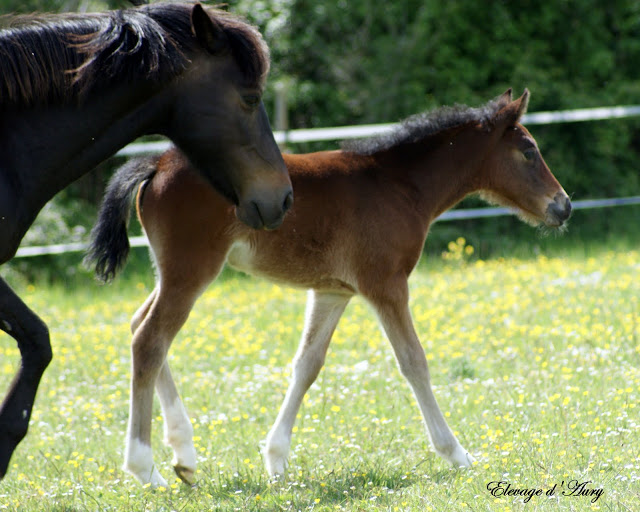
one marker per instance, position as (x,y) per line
(362,61)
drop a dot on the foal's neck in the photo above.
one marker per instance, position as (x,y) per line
(439,170)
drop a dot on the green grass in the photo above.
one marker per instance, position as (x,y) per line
(535,361)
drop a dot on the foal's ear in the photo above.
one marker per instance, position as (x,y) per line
(208,32)
(505,98)
(523,103)
(511,113)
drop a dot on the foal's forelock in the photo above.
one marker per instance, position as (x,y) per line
(61,58)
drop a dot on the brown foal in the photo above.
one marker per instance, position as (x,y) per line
(358,225)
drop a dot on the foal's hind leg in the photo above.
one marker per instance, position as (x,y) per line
(142,311)
(178,432)
(393,310)
(150,345)
(32,335)
(321,317)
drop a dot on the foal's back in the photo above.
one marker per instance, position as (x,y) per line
(349,221)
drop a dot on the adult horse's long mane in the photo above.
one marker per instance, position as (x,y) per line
(421,126)
(61,58)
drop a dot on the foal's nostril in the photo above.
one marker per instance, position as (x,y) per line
(567,207)
(288,202)
(561,207)
(559,210)
(564,207)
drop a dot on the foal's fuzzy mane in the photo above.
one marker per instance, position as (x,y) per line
(58,58)
(420,126)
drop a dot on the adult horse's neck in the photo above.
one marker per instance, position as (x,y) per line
(43,149)
(440,170)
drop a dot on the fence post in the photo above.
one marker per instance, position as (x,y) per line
(281,121)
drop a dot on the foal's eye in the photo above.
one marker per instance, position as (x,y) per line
(529,154)
(251,100)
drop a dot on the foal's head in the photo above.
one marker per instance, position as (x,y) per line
(515,174)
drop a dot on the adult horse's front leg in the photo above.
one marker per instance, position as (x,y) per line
(392,308)
(321,317)
(32,335)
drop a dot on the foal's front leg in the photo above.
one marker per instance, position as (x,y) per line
(393,310)
(321,317)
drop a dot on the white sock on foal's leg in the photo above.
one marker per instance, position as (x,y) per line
(458,457)
(138,460)
(276,452)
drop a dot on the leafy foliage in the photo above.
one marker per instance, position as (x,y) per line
(363,61)
(29,6)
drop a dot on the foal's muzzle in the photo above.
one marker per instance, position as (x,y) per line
(558,211)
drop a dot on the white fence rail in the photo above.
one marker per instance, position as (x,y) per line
(350,132)
(469,213)
(367,130)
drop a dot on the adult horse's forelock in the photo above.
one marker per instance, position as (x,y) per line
(251,53)
(158,41)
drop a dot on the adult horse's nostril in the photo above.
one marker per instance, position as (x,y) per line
(250,214)
(288,202)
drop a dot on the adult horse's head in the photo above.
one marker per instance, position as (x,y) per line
(219,120)
(516,172)
(195,75)
(98,81)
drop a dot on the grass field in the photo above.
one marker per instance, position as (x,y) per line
(536,363)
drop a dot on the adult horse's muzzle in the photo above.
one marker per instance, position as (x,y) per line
(558,211)
(265,211)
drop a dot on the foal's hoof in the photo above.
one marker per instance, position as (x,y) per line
(460,458)
(276,461)
(187,475)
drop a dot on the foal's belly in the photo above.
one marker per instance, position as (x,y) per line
(285,269)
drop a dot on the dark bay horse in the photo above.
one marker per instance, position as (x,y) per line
(358,226)
(74,89)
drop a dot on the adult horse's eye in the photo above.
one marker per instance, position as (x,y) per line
(529,154)
(251,100)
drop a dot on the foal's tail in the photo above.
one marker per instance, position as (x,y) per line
(109,244)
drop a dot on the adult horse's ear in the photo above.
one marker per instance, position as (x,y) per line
(208,32)
(511,113)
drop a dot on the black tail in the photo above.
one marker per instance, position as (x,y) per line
(109,244)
